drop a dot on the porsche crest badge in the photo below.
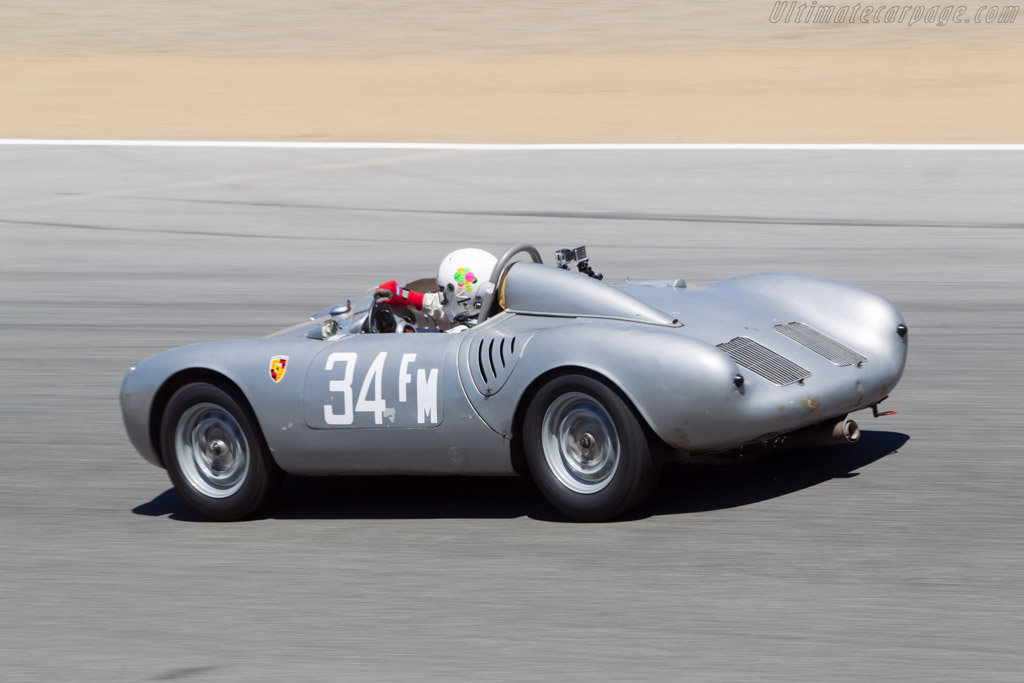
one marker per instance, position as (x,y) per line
(278,366)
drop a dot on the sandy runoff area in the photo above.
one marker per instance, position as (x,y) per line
(454,70)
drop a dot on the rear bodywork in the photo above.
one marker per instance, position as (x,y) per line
(709,368)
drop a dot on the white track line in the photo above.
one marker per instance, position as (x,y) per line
(512,147)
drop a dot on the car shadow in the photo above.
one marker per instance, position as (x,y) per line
(704,486)
(684,488)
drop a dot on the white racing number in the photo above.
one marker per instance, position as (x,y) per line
(342,386)
(371,395)
(377,406)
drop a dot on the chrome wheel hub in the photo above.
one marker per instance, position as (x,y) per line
(580,442)
(211,449)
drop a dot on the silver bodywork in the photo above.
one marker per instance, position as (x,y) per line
(709,368)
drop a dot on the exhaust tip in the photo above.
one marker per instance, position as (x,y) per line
(845,431)
(851,431)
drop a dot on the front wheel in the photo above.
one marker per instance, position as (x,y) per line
(586,449)
(214,454)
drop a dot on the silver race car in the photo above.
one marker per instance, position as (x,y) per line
(584,384)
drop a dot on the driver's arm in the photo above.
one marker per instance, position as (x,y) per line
(390,293)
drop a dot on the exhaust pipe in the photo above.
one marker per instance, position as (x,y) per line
(826,434)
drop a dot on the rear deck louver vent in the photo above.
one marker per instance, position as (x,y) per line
(763,361)
(821,344)
(491,360)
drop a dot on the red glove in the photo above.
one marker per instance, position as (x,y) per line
(399,296)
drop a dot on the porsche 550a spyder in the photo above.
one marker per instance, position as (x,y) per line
(584,384)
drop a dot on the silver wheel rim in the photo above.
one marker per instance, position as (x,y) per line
(580,443)
(212,451)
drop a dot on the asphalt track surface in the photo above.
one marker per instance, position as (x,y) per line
(898,558)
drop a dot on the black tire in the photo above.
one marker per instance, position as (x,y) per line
(587,450)
(215,455)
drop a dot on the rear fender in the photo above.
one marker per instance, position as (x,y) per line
(680,386)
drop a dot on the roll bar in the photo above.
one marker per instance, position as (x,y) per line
(488,300)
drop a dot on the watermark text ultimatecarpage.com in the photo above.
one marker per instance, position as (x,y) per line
(934,15)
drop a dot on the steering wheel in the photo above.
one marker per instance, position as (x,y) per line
(385,319)
(381,319)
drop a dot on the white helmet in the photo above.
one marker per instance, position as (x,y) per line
(462,280)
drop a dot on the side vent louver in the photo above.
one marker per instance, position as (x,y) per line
(821,344)
(763,361)
(491,359)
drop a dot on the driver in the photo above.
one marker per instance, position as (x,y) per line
(462,279)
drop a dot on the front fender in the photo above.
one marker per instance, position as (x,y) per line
(245,363)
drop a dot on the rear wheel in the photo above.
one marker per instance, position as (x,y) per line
(215,455)
(586,449)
